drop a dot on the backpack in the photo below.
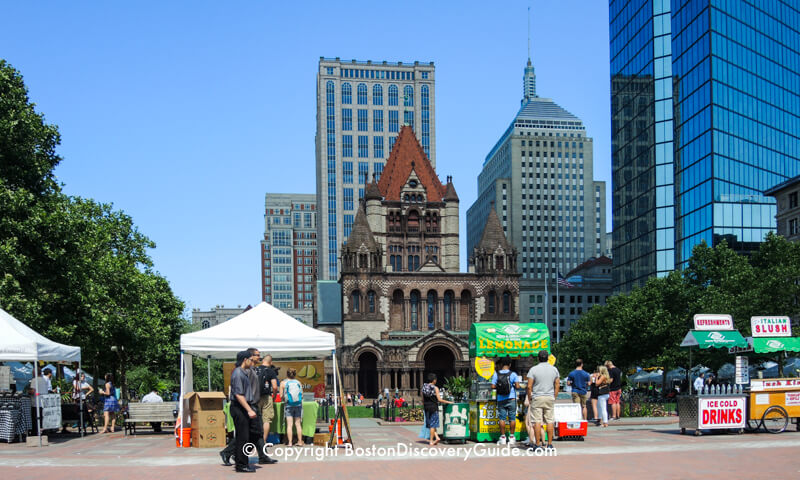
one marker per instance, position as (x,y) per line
(265,381)
(428,392)
(294,393)
(503,384)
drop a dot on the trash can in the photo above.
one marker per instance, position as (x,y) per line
(456,422)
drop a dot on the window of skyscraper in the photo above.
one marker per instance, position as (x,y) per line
(347,119)
(362,94)
(408,96)
(393,95)
(377,120)
(377,143)
(347,93)
(394,121)
(347,147)
(363,123)
(377,94)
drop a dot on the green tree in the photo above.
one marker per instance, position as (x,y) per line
(76,270)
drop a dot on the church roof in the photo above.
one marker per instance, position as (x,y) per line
(407,155)
(361,234)
(373,192)
(493,235)
(450,192)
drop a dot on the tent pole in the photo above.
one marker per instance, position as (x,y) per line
(208,362)
(80,398)
(38,401)
(335,391)
(180,402)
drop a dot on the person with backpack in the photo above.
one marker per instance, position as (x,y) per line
(505,382)
(431,398)
(292,394)
(268,385)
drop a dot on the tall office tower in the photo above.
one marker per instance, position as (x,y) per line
(704,113)
(539,179)
(289,250)
(360,109)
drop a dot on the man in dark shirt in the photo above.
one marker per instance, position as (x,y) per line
(244,401)
(615,389)
(268,386)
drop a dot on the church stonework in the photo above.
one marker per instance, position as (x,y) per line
(406,307)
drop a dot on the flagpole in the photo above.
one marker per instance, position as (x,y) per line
(547,315)
(558,320)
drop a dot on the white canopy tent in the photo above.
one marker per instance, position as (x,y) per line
(263,327)
(18,342)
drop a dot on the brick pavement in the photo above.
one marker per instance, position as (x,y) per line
(622,451)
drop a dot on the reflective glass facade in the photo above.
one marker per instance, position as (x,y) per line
(704,119)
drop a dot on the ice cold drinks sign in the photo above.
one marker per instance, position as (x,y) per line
(722,412)
(771,326)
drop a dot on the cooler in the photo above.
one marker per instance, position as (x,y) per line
(569,422)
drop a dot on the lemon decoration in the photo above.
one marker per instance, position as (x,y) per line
(484,367)
(311,372)
(302,373)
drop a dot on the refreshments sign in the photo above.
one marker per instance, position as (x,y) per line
(722,412)
(713,321)
(771,326)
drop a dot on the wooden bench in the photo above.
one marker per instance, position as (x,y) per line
(149,413)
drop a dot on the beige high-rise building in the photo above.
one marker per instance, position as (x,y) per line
(360,109)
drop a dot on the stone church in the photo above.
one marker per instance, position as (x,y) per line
(406,307)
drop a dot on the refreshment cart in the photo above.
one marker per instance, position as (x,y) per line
(487,342)
(714,409)
(774,401)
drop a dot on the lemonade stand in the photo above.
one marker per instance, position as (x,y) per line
(488,342)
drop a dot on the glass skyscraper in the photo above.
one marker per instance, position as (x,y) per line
(705,118)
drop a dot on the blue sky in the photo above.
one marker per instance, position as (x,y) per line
(184,114)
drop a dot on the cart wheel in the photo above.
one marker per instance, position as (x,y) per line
(753,425)
(775,419)
(683,431)
(697,433)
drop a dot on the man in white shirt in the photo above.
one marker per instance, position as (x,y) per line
(153,397)
(698,383)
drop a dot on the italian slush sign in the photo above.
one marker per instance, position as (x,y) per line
(771,326)
(722,412)
(713,321)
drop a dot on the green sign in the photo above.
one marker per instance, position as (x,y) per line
(715,339)
(512,339)
(776,344)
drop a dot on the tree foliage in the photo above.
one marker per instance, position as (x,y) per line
(646,326)
(73,269)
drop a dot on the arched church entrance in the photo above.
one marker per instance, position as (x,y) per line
(368,374)
(441,361)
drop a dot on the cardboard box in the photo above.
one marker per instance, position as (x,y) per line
(321,439)
(208,419)
(208,437)
(200,401)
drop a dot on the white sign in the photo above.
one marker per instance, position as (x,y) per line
(713,321)
(722,412)
(742,370)
(51,411)
(792,399)
(771,326)
(5,378)
(762,399)
(764,385)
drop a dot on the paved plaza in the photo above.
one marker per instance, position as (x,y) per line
(643,448)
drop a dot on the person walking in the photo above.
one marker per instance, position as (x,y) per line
(505,382)
(543,387)
(268,386)
(292,394)
(578,379)
(80,388)
(698,383)
(615,389)
(111,405)
(431,398)
(603,381)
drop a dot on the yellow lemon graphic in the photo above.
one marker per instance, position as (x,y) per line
(484,367)
(302,373)
(311,371)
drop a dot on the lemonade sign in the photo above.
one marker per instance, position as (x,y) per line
(484,367)
(513,339)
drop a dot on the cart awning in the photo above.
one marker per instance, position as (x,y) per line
(512,339)
(776,344)
(716,339)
